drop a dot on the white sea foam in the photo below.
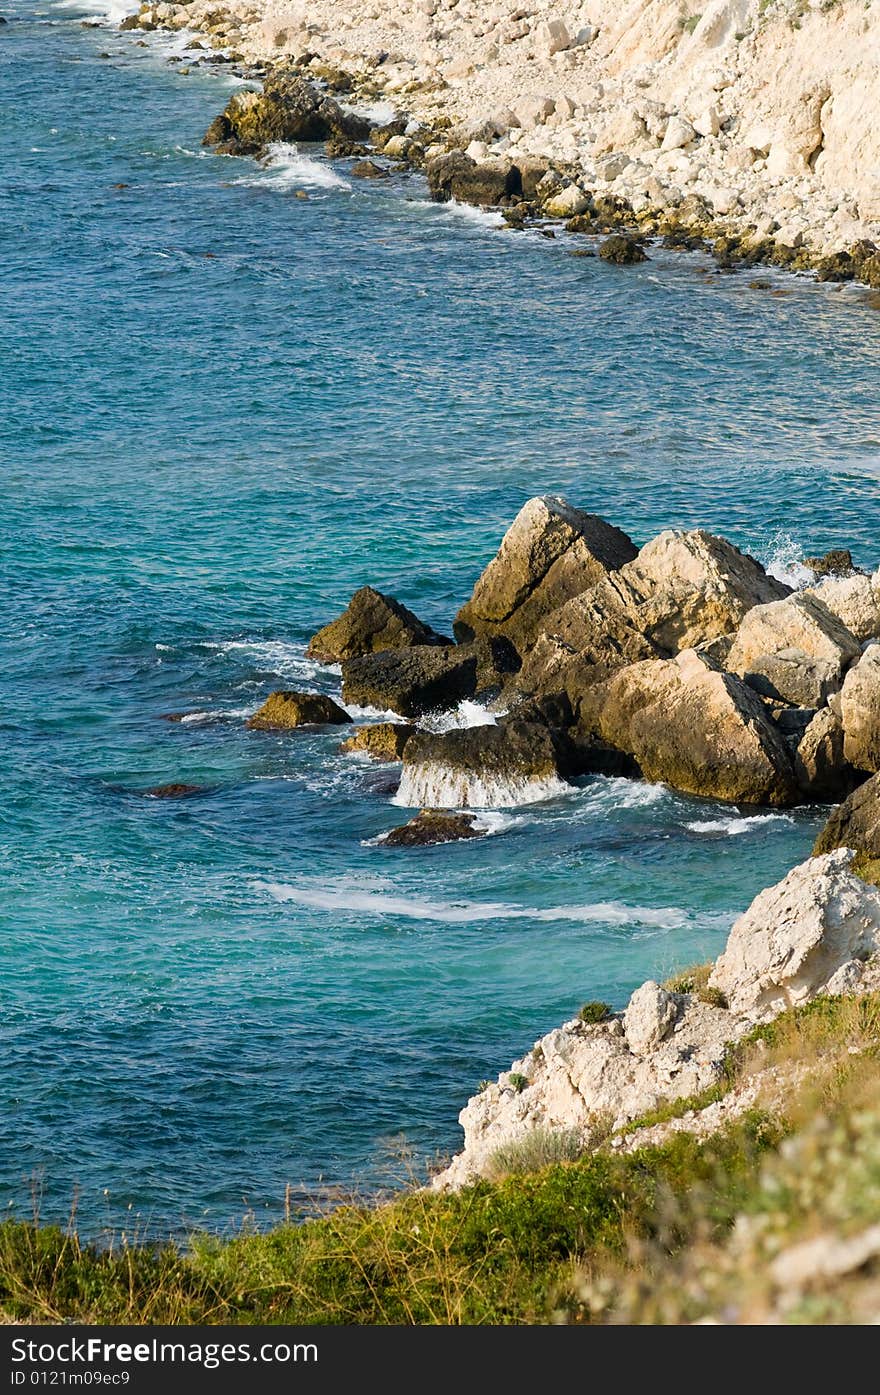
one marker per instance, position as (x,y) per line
(218,714)
(467,714)
(99,11)
(478,217)
(373,714)
(436,786)
(377,897)
(783,561)
(274,655)
(377,113)
(286,167)
(733,826)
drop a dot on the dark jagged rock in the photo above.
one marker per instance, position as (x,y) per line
(287,109)
(486,766)
(385,741)
(283,710)
(622,251)
(412,681)
(837,562)
(432,826)
(340,148)
(855,823)
(371,622)
(457,176)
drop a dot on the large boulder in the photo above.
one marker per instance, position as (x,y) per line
(413,681)
(456,176)
(550,553)
(854,601)
(855,824)
(695,728)
(287,109)
(860,711)
(796,936)
(687,588)
(820,764)
(515,762)
(369,623)
(283,710)
(795,649)
(584,641)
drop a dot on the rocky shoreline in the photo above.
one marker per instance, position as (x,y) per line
(646,172)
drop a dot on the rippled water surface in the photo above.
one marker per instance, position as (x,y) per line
(224,408)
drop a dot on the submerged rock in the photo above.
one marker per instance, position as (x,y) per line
(413,681)
(283,710)
(550,553)
(173,791)
(287,109)
(370,622)
(795,937)
(368,169)
(695,728)
(432,826)
(385,741)
(515,762)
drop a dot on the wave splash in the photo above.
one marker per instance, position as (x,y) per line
(439,787)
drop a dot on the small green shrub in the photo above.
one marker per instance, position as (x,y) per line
(595,1011)
(690,980)
(713,996)
(533,1150)
(518,1081)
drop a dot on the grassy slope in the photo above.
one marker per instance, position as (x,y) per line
(604,1238)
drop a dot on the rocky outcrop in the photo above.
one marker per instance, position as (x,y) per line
(860,711)
(795,649)
(287,109)
(432,826)
(855,823)
(515,762)
(584,641)
(370,622)
(622,251)
(457,176)
(694,727)
(385,741)
(796,936)
(283,710)
(550,553)
(413,681)
(854,601)
(817,931)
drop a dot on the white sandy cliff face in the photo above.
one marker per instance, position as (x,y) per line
(817,931)
(767,112)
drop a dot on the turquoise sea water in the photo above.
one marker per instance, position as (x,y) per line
(225,408)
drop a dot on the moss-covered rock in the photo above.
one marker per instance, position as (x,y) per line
(432,826)
(622,251)
(371,622)
(287,109)
(283,710)
(385,741)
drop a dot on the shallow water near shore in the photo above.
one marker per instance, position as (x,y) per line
(225,408)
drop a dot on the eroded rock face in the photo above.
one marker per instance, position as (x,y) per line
(853,600)
(412,681)
(385,741)
(796,649)
(812,933)
(795,937)
(860,710)
(516,762)
(432,826)
(693,727)
(584,641)
(550,552)
(287,109)
(821,767)
(855,823)
(284,709)
(370,622)
(687,588)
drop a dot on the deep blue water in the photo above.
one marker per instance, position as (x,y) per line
(225,408)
